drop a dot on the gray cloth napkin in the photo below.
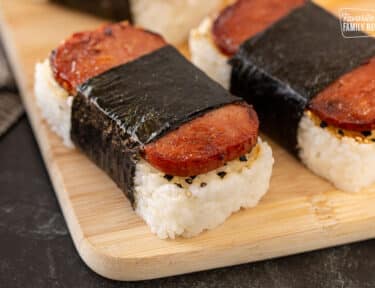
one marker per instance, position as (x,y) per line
(10,104)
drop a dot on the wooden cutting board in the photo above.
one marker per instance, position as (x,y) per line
(301,212)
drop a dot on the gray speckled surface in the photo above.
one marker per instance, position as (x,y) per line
(36,249)
(10,104)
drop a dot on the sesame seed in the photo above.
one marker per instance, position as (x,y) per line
(341,132)
(168,177)
(221,174)
(323,124)
(366,133)
(203,184)
(178,185)
(189,180)
(243,158)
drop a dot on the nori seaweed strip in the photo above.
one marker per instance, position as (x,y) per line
(281,69)
(112,9)
(116,113)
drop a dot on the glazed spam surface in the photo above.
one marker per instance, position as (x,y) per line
(87,54)
(245,18)
(207,142)
(349,102)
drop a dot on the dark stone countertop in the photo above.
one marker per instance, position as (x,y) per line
(36,249)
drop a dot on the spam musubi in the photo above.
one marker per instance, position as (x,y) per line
(185,151)
(314,91)
(218,38)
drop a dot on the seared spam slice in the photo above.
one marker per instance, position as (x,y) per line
(207,142)
(349,102)
(245,18)
(87,54)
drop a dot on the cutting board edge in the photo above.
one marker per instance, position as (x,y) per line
(143,268)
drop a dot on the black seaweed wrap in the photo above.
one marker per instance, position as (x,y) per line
(119,111)
(112,9)
(281,69)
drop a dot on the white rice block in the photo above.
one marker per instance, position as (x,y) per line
(172,18)
(205,54)
(172,211)
(348,164)
(54,101)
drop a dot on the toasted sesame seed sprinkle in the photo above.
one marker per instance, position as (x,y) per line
(203,184)
(364,136)
(189,180)
(178,185)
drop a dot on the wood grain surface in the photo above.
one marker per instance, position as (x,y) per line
(301,212)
